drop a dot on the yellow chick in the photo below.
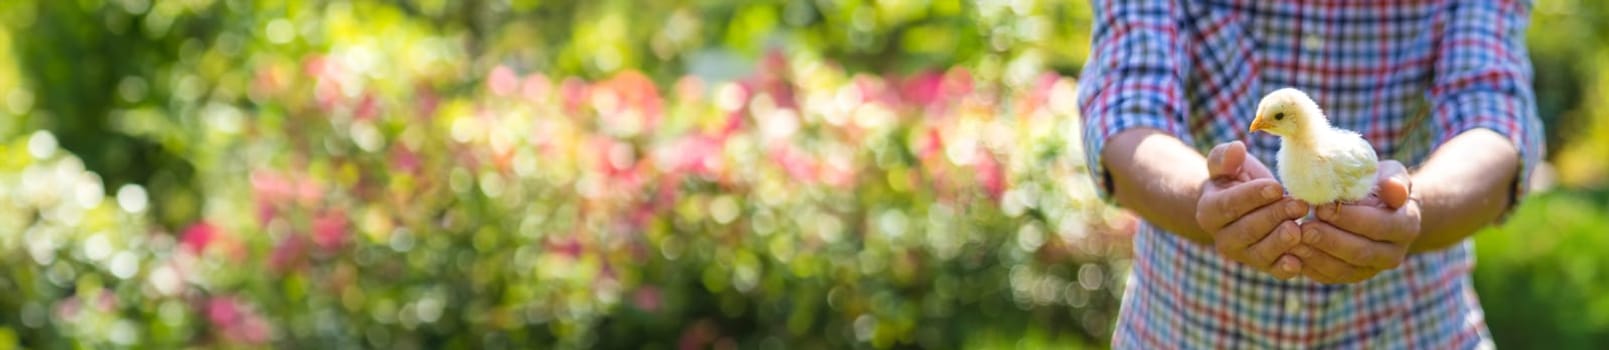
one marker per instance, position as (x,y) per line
(1318,164)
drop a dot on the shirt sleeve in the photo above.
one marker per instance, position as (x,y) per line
(1133,79)
(1483,80)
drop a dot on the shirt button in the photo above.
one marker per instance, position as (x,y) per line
(1292,304)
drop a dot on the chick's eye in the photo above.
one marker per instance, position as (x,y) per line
(1279,116)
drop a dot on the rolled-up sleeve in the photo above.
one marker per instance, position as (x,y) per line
(1133,79)
(1483,80)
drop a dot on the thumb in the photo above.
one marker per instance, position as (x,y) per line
(1394,183)
(1225,159)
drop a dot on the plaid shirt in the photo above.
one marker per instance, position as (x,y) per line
(1407,75)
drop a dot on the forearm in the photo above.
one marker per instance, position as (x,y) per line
(1463,187)
(1158,177)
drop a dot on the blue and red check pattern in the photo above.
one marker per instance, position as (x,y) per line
(1408,75)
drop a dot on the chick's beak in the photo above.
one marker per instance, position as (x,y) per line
(1259,124)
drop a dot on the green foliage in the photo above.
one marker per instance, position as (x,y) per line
(1542,276)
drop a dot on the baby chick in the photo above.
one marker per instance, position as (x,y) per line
(1318,164)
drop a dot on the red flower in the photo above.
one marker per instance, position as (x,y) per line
(922,88)
(198,236)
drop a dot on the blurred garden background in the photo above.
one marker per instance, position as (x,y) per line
(626,174)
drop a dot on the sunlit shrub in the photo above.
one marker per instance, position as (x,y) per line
(800,204)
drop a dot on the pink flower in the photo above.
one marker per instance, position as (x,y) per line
(689,89)
(536,88)
(837,170)
(405,159)
(697,154)
(957,82)
(502,81)
(699,336)
(801,166)
(574,91)
(279,188)
(267,81)
(933,143)
(271,190)
(330,230)
(198,236)
(567,246)
(327,75)
(991,175)
(647,298)
(425,100)
(1039,93)
(317,66)
(68,308)
(368,108)
(288,254)
(872,88)
(636,93)
(923,88)
(222,311)
(771,77)
(235,321)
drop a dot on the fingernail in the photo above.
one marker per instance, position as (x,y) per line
(1309,236)
(1295,208)
(1271,192)
(1288,236)
(1289,266)
(1302,251)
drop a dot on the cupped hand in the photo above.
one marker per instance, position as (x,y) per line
(1247,213)
(1351,243)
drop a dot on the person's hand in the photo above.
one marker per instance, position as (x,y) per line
(1351,243)
(1245,210)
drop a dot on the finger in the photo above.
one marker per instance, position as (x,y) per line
(1375,223)
(1370,201)
(1220,206)
(1256,225)
(1287,267)
(1320,275)
(1225,159)
(1269,253)
(1394,183)
(1326,268)
(1354,249)
(1254,169)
